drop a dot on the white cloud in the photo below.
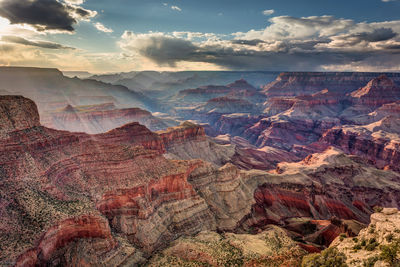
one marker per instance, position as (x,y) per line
(268,12)
(102,28)
(74,2)
(176,8)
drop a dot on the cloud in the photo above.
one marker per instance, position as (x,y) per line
(389,1)
(363,38)
(74,2)
(102,28)
(268,12)
(176,8)
(287,43)
(162,49)
(44,15)
(41,44)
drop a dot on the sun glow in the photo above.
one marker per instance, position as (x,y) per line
(4,26)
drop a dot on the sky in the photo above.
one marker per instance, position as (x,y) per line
(102,36)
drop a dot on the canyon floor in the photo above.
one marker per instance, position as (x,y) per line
(164,169)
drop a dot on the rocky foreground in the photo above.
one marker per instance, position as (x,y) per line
(376,245)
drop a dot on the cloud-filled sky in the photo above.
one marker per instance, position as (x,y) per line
(124,35)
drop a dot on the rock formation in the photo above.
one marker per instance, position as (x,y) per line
(101,118)
(376,245)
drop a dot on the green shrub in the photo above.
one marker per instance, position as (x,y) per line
(355,239)
(363,242)
(389,253)
(370,262)
(377,209)
(389,237)
(372,244)
(328,257)
(342,237)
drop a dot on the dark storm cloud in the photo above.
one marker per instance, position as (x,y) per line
(43,14)
(164,50)
(377,35)
(41,44)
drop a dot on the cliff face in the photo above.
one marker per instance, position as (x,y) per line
(307,83)
(377,92)
(381,149)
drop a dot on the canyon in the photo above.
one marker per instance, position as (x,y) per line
(231,173)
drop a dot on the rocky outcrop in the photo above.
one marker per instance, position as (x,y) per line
(376,245)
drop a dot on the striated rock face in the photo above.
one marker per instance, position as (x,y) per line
(64,233)
(375,244)
(99,118)
(308,83)
(377,92)
(17,113)
(375,142)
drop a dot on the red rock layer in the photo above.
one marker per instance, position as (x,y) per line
(380,152)
(185,132)
(63,233)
